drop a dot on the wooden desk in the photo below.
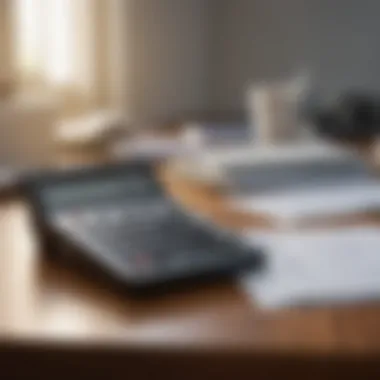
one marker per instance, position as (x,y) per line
(50,311)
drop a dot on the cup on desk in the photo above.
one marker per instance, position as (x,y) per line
(273,111)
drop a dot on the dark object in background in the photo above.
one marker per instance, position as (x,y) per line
(352,117)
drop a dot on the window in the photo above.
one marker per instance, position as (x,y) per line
(45,35)
(67,46)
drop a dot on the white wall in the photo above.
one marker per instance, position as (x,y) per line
(338,40)
(168,57)
(5,45)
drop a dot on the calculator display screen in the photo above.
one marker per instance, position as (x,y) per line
(131,186)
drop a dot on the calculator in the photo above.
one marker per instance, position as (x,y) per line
(118,219)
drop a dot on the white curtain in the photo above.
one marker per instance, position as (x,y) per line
(61,46)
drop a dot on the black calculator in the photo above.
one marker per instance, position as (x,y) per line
(120,220)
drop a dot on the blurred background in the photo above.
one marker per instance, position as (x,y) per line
(168,60)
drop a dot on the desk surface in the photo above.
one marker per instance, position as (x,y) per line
(42,302)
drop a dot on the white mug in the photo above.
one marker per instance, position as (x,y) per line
(273,109)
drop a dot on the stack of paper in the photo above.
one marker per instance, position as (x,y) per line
(219,134)
(316,267)
(271,167)
(152,147)
(294,205)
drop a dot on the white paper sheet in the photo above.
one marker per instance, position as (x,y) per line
(319,267)
(324,200)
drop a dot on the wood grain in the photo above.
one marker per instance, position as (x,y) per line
(44,302)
